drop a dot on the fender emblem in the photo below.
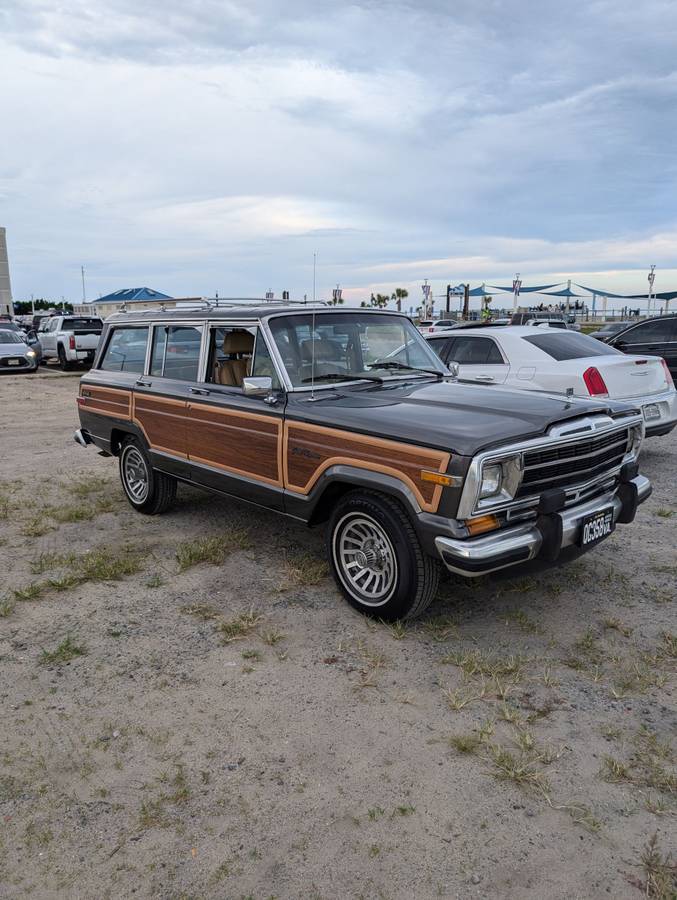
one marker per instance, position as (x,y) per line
(304,451)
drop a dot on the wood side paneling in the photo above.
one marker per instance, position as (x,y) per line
(310,449)
(106,401)
(163,421)
(237,441)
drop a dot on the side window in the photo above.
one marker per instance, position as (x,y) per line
(126,350)
(53,324)
(476,351)
(650,331)
(262,365)
(439,345)
(176,352)
(230,355)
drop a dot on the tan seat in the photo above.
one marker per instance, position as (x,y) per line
(238,347)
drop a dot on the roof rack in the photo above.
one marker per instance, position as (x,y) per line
(215,302)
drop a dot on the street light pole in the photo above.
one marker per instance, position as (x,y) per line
(84,297)
(516,285)
(651,279)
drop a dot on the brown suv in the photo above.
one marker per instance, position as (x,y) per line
(349,417)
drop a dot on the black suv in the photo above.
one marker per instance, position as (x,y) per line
(657,337)
(348,417)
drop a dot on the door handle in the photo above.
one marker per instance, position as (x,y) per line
(141,382)
(484,377)
(203,392)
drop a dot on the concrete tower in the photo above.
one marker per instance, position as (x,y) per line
(6,307)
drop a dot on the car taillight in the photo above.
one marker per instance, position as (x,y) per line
(668,374)
(71,342)
(595,383)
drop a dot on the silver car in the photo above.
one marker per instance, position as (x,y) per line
(15,353)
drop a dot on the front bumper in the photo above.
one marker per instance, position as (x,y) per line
(478,556)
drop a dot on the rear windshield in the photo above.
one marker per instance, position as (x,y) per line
(562,345)
(76,324)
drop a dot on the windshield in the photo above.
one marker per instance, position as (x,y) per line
(9,337)
(350,346)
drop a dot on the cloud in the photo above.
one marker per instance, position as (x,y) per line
(220,144)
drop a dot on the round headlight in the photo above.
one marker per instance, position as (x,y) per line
(492,480)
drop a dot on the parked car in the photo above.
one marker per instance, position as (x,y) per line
(307,413)
(71,339)
(543,359)
(657,335)
(29,338)
(554,319)
(15,354)
(609,329)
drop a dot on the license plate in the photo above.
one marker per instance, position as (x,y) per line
(596,527)
(13,362)
(652,411)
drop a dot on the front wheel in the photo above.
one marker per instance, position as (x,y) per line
(148,491)
(377,559)
(63,362)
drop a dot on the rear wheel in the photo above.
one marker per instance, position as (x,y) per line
(377,559)
(63,362)
(148,490)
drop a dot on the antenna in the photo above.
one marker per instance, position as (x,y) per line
(312,336)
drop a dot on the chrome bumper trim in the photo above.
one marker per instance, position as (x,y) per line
(509,546)
(80,438)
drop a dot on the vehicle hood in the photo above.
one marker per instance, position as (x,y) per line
(446,415)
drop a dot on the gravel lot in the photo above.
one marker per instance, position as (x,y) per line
(190,711)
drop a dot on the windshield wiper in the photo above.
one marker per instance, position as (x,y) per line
(341,376)
(392,364)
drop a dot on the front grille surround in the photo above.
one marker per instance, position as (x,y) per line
(581,460)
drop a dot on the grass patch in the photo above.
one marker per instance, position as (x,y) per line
(305,570)
(519,618)
(663,513)
(239,627)
(466,743)
(35,527)
(475,662)
(441,628)
(201,611)
(213,549)
(6,607)
(33,591)
(660,872)
(65,652)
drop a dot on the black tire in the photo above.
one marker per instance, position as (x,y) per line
(64,365)
(158,491)
(406,578)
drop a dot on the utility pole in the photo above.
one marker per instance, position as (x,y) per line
(314,269)
(84,297)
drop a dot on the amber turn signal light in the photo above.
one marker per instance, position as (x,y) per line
(481,524)
(438,478)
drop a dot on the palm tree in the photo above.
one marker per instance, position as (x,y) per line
(399,295)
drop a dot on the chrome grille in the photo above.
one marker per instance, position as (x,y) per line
(568,465)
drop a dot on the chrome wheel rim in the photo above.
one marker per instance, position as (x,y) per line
(365,559)
(135,475)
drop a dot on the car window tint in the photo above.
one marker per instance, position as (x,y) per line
(476,351)
(126,350)
(438,345)
(659,330)
(157,353)
(561,345)
(182,352)
(262,365)
(76,324)
(230,355)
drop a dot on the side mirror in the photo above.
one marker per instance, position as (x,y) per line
(454,368)
(257,387)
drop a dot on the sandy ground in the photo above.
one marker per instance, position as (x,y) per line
(232,729)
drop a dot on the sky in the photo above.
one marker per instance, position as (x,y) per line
(217,145)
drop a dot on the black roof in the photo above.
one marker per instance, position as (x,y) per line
(251,312)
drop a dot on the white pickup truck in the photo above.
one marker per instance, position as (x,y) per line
(70,339)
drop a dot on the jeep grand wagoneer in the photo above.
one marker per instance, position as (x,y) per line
(348,417)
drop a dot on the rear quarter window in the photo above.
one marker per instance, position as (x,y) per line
(126,350)
(563,345)
(77,324)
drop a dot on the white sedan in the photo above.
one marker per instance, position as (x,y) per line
(557,361)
